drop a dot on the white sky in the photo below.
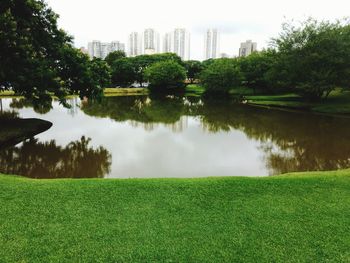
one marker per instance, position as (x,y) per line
(237,21)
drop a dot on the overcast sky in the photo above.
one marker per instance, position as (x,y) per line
(237,21)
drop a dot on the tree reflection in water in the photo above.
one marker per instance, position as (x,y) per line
(47,160)
(289,141)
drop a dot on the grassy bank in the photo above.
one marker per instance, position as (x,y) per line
(337,103)
(294,218)
(125,91)
(16,130)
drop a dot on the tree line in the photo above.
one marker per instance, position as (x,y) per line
(38,60)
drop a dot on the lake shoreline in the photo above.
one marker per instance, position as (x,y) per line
(298,217)
(17,130)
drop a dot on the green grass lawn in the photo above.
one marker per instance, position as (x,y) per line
(125,91)
(194,90)
(15,130)
(6,93)
(294,218)
(338,102)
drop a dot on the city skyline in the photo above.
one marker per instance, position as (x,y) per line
(176,41)
(237,22)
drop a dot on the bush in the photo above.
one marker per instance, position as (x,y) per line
(221,75)
(165,75)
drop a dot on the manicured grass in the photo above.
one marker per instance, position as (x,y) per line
(294,218)
(7,93)
(338,102)
(125,91)
(194,90)
(198,90)
(15,130)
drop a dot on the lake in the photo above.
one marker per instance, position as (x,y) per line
(174,136)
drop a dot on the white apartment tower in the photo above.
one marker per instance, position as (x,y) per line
(181,43)
(211,44)
(178,42)
(150,41)
(94,49)
(247,48)
(134,44)
(167,43)
(101,50)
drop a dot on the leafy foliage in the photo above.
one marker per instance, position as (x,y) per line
(193,69)
(114,56)
(221,75)
(316,56)
(165,74)
(37,57)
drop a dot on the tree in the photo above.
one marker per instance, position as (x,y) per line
(123,73)
(100,72)
(35,54)
(114,56)
(220,76)
(165,75)
(256,68)
(316,56)
(193,68)
(142,62)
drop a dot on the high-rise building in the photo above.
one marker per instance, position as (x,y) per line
(101,50)
(134,44)
(181,41)
(177,42)
(211,44)
(167,43)
(105,50)
(94,49)
(117,46)
(150,41)
(247,48)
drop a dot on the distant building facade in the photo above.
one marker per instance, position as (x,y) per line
(98,49)
(167,43)
(178,42)
(211,44)
(247,48)
(150,41)
(134,44)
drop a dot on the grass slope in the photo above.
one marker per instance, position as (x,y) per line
(338,102)
(293,218)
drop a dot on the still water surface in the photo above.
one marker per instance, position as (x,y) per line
(142,137)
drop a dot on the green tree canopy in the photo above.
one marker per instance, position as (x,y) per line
(193,68)
(256,69)
(114,56)
(221,75)
(123,73)
(165,74)
(36,56)
(316,56)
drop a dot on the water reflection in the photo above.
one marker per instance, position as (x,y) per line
(290,141)
(176,136)
(48,160)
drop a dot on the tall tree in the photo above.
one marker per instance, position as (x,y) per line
(36,56)
(114,56)
(316,56)
(193,68)
(220,76)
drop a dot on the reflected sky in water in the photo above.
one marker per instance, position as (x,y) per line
(141,137)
